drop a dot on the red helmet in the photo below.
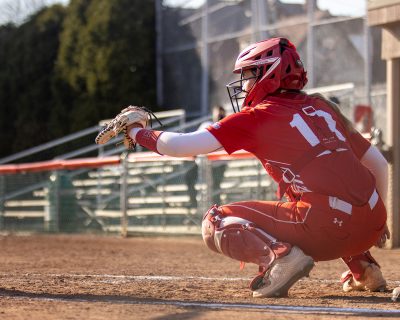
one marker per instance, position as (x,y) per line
(277,65)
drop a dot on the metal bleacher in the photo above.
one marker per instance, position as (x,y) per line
(158,199)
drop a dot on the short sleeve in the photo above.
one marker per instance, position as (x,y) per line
(235,132)
(358,144)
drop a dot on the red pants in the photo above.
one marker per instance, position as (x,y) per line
(311,224)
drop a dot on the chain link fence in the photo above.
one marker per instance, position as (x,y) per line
(142,194)
(200,40)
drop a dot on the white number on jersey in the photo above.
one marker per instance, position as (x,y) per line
(304,129)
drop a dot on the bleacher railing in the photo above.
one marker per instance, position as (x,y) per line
(170,118)
(140,192)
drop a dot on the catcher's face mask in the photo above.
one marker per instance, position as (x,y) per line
(239,89)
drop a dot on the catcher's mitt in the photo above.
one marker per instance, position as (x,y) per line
(128,116)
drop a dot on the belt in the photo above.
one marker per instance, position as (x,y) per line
(336,203)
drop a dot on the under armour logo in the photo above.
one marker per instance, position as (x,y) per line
(147,134)
(337,221)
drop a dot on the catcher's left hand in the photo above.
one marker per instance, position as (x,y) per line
(128,116)
(385,236)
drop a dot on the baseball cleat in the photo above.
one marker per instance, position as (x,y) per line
(372,280)
(284,273)
(395,294)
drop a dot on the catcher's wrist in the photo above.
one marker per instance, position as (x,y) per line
(132,132)
(146,138)
(134,125)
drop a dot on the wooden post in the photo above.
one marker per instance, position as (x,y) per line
(386,14)
(393,124)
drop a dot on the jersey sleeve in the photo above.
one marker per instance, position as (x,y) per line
(358,144)
(235,132)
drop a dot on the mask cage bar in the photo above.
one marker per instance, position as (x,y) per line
(235,88)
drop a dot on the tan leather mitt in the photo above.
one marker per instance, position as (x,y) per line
(125,118)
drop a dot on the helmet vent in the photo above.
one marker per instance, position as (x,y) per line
(257,58)
(288,69)
(269,53)
(244,54)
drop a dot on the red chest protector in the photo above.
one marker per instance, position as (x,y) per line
(316,120)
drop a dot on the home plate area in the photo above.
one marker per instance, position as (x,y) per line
(108,277)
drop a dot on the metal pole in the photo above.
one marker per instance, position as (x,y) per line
(209,183)
(124,194)
(263,19)
(367,62)
(52,212)
(159,53)
(205,60)
(311,4)
(259,172)
(202,184)
(2,201)
(254,21)
(163,221)
(99,179)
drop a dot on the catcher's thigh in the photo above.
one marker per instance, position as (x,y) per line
(240,239)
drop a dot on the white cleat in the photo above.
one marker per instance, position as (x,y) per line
(395,294)
(284,273)
(372,280)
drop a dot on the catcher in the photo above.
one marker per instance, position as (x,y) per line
(334,181)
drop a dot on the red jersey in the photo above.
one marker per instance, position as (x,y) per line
(277,132)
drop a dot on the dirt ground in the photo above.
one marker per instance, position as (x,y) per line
(107,277)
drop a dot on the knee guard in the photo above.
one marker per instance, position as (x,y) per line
(240,239)
(208,228)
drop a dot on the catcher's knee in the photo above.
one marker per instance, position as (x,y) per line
(240,239)
(208,227)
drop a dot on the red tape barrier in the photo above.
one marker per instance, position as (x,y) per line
(73,164)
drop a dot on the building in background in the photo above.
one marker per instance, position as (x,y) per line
(198,47)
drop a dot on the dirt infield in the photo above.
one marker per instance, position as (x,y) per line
(104,277)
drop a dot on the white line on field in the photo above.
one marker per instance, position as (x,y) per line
(229,306)
(158,278)
(281,308)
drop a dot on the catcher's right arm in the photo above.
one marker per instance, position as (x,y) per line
(170,143)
